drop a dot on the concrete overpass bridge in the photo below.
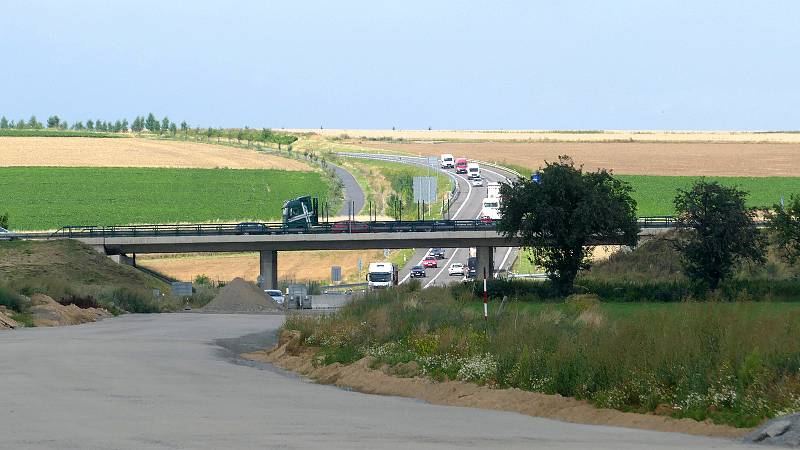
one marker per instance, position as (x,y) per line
(269,239)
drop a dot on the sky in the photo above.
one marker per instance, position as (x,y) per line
(548,65)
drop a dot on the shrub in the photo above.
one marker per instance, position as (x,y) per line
(12,301)
(81,301)
(129,300)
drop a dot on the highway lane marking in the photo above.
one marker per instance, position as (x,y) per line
(455,216)
(502,263)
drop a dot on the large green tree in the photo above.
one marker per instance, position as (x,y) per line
(151,123)
(564,214)
(716,231)
(53,122)
(785,223)
(3,122)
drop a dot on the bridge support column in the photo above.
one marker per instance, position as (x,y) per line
(485,260)
(268,265)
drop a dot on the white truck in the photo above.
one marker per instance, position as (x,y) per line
(446,161)
(473,170)
(493,189)
(381,275)
(490,208)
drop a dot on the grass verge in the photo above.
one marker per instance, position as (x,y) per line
(734,364)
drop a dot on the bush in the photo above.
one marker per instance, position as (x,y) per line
(128,300)
(81,301)
(12,301)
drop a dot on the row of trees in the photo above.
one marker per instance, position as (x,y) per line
(152,124)
(567,211)
(56,123)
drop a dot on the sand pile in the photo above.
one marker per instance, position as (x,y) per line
(239,296)
(49,313)
(6,322)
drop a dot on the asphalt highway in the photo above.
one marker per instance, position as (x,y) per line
(468,206)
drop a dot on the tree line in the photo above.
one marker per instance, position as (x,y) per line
(566,211)
(151,124)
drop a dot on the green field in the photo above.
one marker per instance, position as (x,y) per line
(654,194)
(40,198)
(11,132)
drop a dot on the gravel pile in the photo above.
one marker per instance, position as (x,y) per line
(239,296)
(781,431)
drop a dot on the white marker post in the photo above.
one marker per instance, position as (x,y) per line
(485,298)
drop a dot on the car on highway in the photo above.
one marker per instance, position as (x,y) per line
(437,252)
(5,235)
(446,161)
(251,228)
(350,226)
(461,165)
(418,272)
(477,182)
(456,269)
(430,261)
(275,295)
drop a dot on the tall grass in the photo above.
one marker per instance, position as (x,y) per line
(734,363)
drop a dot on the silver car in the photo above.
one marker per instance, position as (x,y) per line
(5,235)
(275,295)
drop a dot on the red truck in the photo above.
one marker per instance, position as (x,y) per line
(461,165)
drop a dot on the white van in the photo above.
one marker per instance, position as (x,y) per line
(381,275)
(491,208)
(493,189)
(447,161)
(473,170)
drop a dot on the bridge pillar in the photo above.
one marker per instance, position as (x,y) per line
(485,260)
(268,265)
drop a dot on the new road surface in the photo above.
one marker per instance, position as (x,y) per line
(172,382)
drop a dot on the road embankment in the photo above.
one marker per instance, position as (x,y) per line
(401,380)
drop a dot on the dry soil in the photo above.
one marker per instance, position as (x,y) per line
(133,152)
(634,158)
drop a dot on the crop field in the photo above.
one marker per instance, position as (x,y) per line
(654,195)
(630,158)
(41,198)
(58,133)
(296,266)
(134,152)
(554,135)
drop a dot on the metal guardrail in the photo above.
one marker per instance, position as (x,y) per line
(259,228)
(415,160)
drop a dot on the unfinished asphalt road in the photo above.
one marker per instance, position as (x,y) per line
(162,382)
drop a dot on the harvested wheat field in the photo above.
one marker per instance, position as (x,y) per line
(559,136)
(637,158)
(133,152)
(308,265)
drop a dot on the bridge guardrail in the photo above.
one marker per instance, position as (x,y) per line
(267,228)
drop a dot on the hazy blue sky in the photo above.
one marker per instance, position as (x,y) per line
(411,64)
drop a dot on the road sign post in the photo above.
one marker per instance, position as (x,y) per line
(485,298)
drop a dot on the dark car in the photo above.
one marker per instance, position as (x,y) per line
(251,228)
(438,253)
(5,235)
(418,272)
(350,226)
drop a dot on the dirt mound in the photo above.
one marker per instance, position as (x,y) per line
(290,355)
(239,296)
(49,313)
(6,322)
